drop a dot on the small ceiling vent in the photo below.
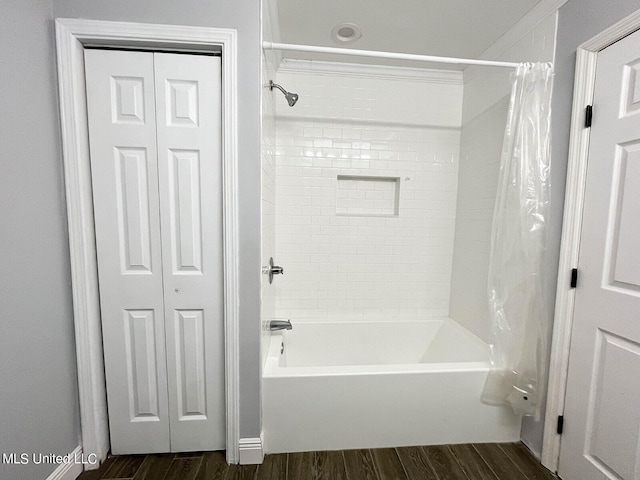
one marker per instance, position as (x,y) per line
(346,33)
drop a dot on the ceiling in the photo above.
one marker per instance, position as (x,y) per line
(450,28)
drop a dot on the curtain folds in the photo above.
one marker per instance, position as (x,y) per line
(521,318)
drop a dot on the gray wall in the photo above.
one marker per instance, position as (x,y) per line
(579,21)
(38,387)
(245,17)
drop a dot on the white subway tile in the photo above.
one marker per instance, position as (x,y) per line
(333,260)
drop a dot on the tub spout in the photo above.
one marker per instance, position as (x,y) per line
(280,325)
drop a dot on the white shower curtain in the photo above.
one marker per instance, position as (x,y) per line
(520,311)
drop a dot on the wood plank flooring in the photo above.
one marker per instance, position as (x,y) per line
(488,461)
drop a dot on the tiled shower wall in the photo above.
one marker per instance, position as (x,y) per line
(366,174)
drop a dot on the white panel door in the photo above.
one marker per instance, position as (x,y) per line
(122,137)
(602,412)
(188,89)
(155,135)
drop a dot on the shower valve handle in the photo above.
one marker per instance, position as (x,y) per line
(272,270)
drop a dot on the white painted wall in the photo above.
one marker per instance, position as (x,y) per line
(368,122)
(245,18)
(38,385)
(484,86)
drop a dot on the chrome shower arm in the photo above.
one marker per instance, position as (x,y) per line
(272,85)
(292,98)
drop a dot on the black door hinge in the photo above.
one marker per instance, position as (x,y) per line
(560,425)
(588,116)
(574,277)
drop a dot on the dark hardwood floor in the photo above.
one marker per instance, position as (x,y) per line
(490,461)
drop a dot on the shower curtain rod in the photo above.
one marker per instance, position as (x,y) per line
(397,56)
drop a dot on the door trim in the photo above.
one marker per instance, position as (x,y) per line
(584,85)
(72,35)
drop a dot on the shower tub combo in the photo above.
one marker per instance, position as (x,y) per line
(331,386)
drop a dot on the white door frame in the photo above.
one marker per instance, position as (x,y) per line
(72,35)
(584,85)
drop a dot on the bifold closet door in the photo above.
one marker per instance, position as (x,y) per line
(124,171)
(154,128)
(188,89)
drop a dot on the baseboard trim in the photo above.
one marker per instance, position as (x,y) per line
(251,451)
(70,470)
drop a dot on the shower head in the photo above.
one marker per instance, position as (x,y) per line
(292,98)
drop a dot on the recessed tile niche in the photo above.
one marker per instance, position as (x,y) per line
(367,196)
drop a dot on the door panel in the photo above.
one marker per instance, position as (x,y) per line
(190,177)
(602,409)
(184,206)
(122,137)
(625,265)
(128,102)
(190,357)
(182,102)
(142,367)
(607,443)
(132,203)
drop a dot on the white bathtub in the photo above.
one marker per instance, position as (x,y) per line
(378,384)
